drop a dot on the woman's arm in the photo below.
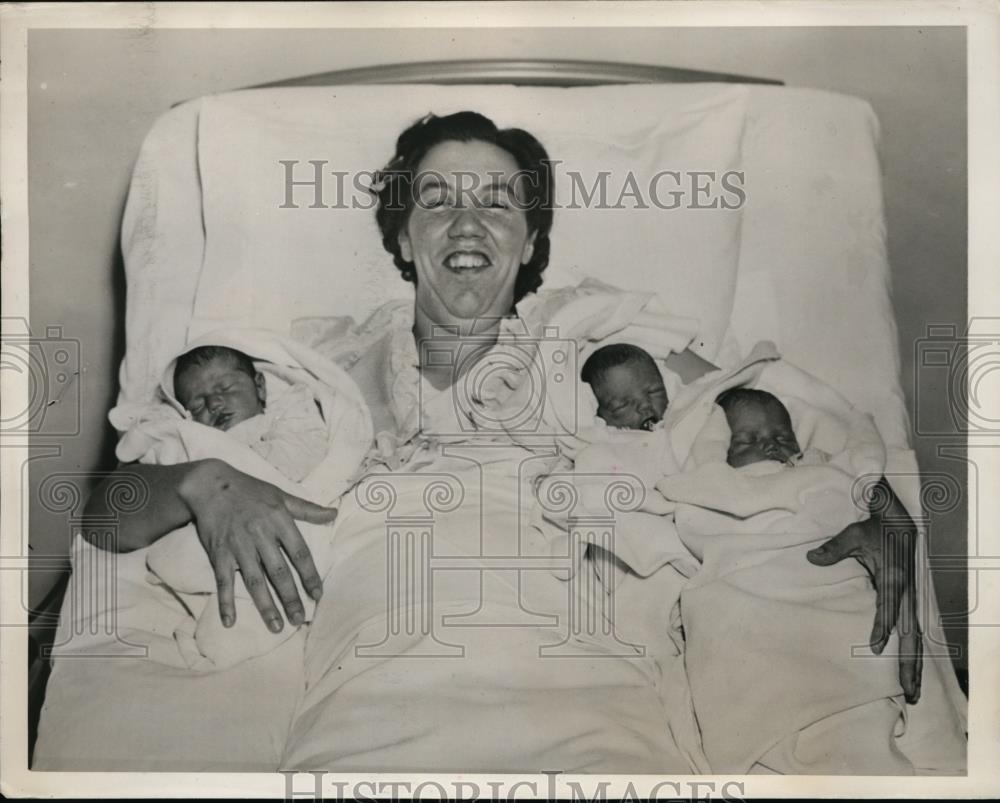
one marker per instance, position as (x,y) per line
(164,509)
(243,523)
(885,544)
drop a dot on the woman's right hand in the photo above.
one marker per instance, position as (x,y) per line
(248,524)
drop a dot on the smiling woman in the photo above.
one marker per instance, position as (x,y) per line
(428,184)
(466,256)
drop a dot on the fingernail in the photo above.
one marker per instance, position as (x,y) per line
(274,625)
(227,620)
(316,592)
(295,617)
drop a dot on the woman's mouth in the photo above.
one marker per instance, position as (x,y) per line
(462,261)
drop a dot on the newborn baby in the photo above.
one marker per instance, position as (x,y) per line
(628,386)
(219,386)
(801,701)
(222,389)
(761,428)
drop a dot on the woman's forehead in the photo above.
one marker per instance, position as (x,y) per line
(457,161)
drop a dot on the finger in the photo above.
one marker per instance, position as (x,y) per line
(911,664)
(889,591)
(304,510)
(911,647)
(298,552)
(253,579)
(842,545)
(225,569)
(280,575)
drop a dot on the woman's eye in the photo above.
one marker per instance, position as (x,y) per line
(433,200)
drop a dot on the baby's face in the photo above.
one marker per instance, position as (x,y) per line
(631,395)
(760,432)
(219,394)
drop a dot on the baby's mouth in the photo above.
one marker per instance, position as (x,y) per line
(222,420)
(463,261)
(793,459)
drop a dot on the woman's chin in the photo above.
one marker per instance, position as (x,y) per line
(469,306)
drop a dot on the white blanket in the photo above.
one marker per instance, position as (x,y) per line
(497,668)
(774,644)
(740,706)
(178,561)
(537,397)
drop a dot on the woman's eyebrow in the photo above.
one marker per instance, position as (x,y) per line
(500,183)
(431,181)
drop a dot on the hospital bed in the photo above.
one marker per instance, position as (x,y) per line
(230,221)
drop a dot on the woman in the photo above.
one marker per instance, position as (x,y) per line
(464,208)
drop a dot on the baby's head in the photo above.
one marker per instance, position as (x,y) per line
(219,386)
(760,425)
(628,386)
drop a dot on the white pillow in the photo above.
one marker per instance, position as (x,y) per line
(265,265)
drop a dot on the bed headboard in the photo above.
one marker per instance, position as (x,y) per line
(523,72)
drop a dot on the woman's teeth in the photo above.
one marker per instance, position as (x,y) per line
(466,260)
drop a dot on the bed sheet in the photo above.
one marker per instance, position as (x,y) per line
(497,669)
(105,702)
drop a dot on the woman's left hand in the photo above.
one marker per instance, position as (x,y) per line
(885,544)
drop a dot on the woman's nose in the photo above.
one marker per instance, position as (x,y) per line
(466,223)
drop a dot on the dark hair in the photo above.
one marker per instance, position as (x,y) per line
(610,356)
(735,398)
(203,355)
(393,185)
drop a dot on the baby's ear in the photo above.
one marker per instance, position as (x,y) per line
(261,383)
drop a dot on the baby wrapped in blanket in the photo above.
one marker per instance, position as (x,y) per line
(287,416)
(774,682)
(776,649)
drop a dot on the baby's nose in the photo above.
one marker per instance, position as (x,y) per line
(214,403)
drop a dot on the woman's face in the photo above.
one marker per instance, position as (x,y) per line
(467,234)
